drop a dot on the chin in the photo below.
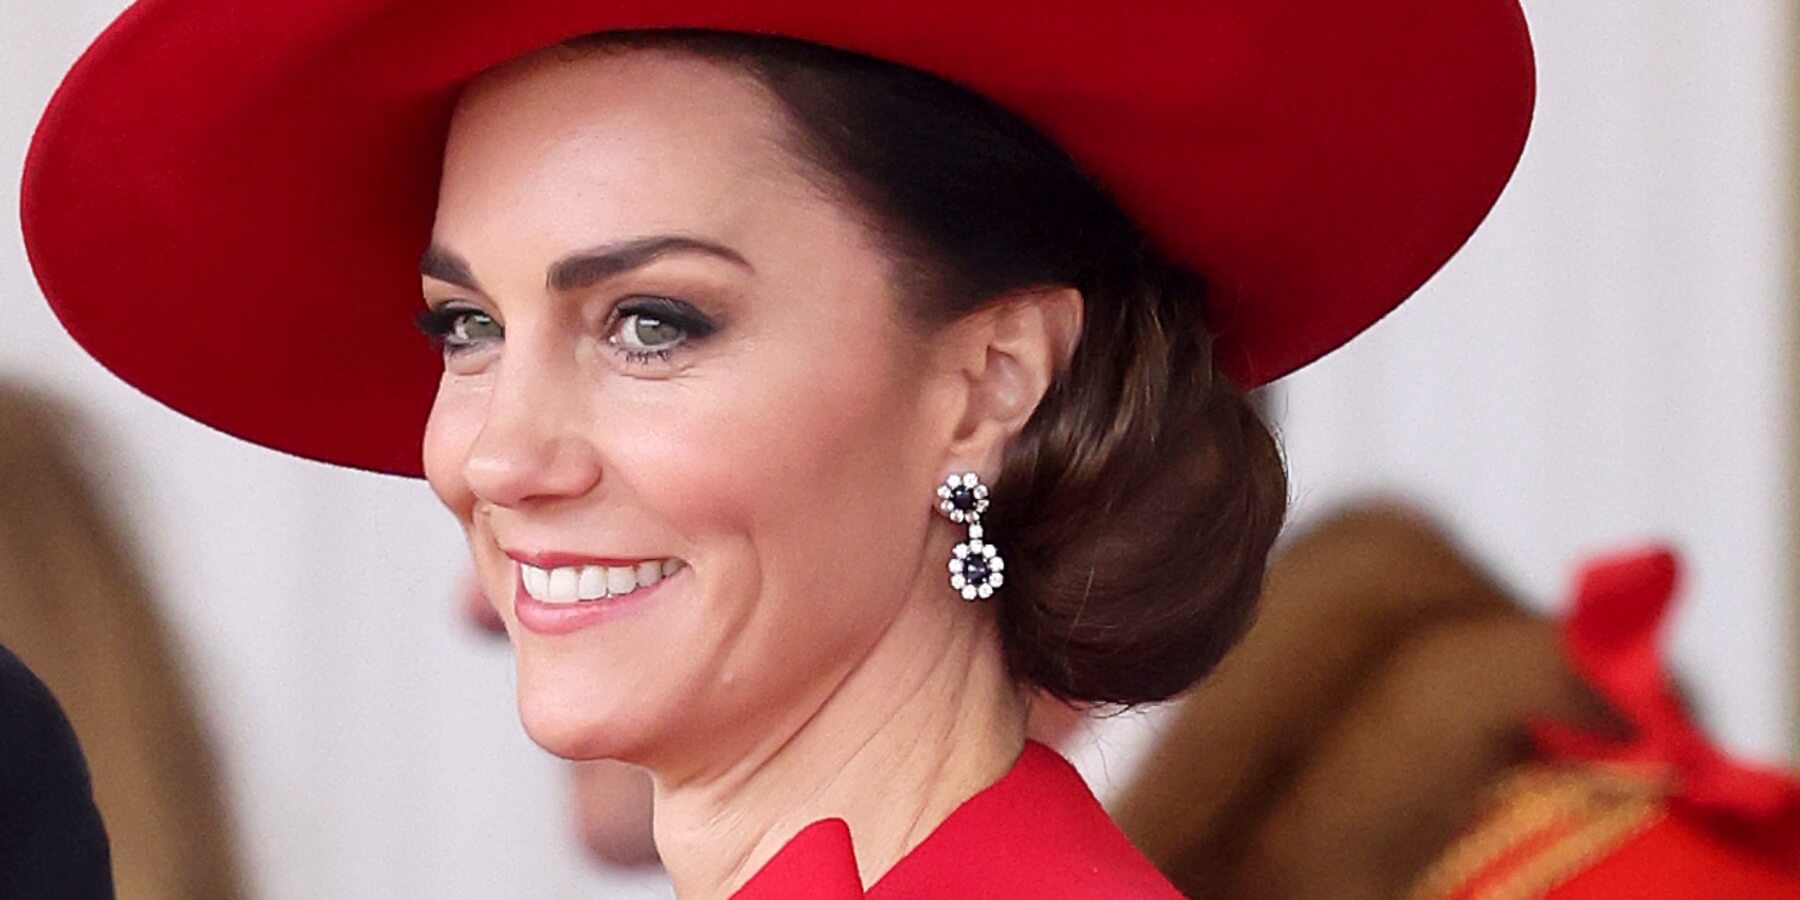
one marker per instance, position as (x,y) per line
(585,718)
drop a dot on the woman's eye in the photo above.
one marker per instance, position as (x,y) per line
(653,327)
(638,331)
(452,328)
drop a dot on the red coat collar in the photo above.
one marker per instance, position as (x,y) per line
(1036,833)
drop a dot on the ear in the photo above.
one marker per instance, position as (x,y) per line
(1005,357)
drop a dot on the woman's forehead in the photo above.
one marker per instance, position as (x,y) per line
(614,144)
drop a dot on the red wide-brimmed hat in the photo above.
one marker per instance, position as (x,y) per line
(226,201)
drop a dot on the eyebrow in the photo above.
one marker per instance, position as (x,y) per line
(578,270)
(447,267)
(599,263)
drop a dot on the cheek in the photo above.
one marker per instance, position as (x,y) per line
(798,441)
(449,433)
(791,480)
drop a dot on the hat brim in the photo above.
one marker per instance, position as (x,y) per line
(225,202)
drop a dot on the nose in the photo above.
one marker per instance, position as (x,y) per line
(531,447)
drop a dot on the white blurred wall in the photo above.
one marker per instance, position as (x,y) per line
(1606,361)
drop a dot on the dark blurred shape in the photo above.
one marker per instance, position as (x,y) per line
(611,812)
(1395,725)
(52,844)
(76,608)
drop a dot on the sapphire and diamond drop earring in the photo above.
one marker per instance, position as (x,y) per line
(976,569)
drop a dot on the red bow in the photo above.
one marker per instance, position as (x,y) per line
(1613,639)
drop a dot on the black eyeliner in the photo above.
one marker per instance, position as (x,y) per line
(694,323)
(438,323)
(435,323)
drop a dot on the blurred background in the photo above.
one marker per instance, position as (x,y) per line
(1610,360)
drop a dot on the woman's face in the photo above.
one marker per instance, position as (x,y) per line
(676,372)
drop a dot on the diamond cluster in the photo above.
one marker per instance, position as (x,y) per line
(976,569)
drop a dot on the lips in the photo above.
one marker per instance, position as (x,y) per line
(559,593)
(589,582)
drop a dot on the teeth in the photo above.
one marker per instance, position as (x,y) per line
(537,581)
(649,572)
(593,583)
(572,584)
(620,580)
(562,584)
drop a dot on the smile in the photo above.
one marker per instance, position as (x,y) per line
(587,583)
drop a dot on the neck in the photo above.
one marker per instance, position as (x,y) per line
(892,748)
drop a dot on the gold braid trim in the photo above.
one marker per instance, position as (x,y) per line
(1585,811)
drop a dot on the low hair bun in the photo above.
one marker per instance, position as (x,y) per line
(1139,506)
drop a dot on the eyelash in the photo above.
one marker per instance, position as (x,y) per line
(693,325)
(439,323)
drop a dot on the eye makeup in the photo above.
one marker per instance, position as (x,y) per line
(641,328)
(452,327)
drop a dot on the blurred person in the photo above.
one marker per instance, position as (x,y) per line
(75,606)
(52,842)
(815,383)
(1395,724)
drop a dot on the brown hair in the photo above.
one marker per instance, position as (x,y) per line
(75,608)
(1140,502)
